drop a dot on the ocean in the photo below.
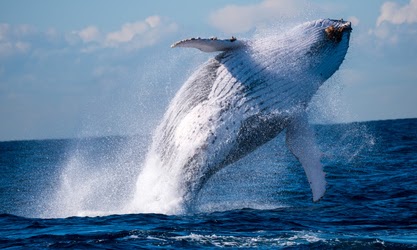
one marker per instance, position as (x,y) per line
(72,193)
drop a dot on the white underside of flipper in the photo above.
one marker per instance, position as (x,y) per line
(209,44)
(301,141)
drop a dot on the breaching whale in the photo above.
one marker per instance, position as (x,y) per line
(237,101)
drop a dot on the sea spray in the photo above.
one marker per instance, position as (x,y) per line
(98,175)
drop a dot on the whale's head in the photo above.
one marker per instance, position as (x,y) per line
(310,53)
(326,42)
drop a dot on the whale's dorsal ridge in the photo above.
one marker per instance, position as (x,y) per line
(209,44)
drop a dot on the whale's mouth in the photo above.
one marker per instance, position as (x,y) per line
(335,32)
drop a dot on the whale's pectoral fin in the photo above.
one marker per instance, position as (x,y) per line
(300,140)
(209,45)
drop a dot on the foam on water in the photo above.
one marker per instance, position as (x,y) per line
(298,238)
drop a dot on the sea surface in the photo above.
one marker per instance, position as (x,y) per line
(72,193)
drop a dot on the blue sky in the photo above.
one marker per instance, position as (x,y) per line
(94,68)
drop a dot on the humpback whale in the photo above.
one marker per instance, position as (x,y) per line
(243,97)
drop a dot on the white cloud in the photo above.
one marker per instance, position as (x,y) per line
(395,23)
(24,38)
(130,36)
(89,34)
(140,34)
(8,48)
(241,18)
(4,29)
(24,30)
(392,12)
(12,38)
(73,38)
(52,34)
(354,20)
(22,46)
(5,49)
(153,21)
(126,33)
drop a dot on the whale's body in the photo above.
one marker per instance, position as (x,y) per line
(236,102)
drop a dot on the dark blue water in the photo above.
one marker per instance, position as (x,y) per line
(47,187)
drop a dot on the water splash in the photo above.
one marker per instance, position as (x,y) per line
(99,174)
(97,178)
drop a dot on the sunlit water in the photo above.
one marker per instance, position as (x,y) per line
(261,201)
